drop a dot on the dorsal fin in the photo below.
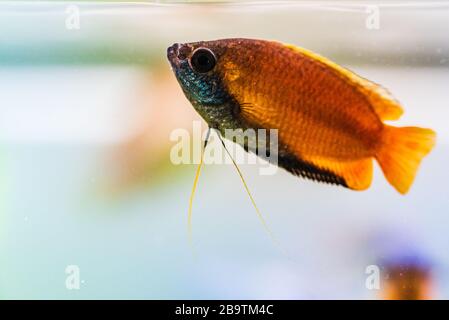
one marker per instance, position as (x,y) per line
(382,101)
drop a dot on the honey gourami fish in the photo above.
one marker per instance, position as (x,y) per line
(329,120)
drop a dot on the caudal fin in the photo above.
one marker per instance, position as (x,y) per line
(401,153)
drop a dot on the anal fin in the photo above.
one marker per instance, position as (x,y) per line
(357,174)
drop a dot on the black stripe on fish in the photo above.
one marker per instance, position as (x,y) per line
(307,170)
(299,167)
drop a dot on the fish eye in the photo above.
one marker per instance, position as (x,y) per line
(203,60)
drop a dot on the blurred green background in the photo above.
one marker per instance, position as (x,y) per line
(86,180)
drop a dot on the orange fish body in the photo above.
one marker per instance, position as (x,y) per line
(329,120)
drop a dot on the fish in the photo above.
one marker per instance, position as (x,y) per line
(330,121)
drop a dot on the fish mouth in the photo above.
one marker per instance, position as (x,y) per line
(177,53)
(172,55)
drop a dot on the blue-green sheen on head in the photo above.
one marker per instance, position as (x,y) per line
(202,88)
(194,69)
(197,69)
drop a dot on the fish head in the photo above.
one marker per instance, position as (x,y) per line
(201,70)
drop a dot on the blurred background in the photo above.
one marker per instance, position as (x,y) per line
(87,104)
